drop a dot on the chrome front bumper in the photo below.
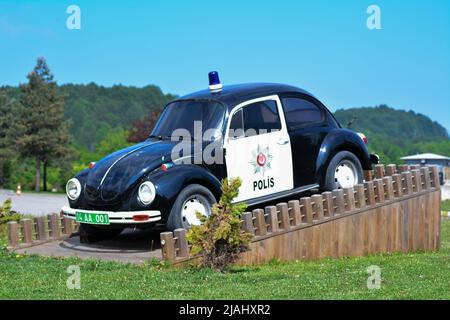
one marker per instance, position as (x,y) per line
(121,217)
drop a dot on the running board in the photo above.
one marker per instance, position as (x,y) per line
(280,195)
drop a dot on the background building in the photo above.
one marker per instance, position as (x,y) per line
(442,162)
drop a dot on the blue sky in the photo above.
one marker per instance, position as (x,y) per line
(321,46)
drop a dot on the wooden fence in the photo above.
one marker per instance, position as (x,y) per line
(397,209)
(31,232)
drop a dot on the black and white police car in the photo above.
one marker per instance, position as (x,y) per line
(280,140)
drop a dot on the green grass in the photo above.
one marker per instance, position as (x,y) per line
(446,205)
(404,276)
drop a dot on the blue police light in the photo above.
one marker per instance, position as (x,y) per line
(214,81)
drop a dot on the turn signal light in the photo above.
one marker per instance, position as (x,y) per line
(140,217)
(166,166)
(91,165)
(363,137)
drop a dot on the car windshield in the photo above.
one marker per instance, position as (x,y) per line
(184,114)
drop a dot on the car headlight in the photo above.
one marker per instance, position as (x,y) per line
(73,189)
(147,193)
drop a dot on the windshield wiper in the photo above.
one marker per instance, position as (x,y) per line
(154,136)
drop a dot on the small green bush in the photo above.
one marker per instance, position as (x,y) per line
(6,214)
(219,238)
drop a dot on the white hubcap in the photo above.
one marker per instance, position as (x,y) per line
(345,175)
(191,206)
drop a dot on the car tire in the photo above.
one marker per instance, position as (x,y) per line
(344,170)
(192,197)
(89,233)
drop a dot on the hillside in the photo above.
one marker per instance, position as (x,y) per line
(395,133)
(98,112)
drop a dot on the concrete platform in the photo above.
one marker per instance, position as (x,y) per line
(132,246)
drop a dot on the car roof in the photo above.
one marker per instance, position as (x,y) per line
(233,95)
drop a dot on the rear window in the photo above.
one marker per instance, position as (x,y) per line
(300,112)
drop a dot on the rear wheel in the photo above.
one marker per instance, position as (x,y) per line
(344,171)
(194,198)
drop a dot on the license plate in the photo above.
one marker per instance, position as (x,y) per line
(92,218)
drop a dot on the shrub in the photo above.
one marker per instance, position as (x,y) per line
(6,214)
(219,239)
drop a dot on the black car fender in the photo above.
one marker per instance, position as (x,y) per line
(341,140)
(169,183)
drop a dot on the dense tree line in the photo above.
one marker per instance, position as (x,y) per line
(60,129)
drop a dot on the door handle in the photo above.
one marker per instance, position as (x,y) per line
(283,141)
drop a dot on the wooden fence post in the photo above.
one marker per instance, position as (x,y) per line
(340,202)
(260,222)
(27,231)
(67,226)
(426,177)
(368,176)
(435,177)
(41,233)
(53,226)
(398,185)
(318,201)
(247,225)
(379,171)
(417,187)
(407,178)
(294,211)
(168,246)
(379,190)
(13,234)
(284,216)
(272,218)
(370,192)
(328,206)
(182,244)
(349,196)
(360,196)
(403,168)
(391,169)
(387,181)
(307,209)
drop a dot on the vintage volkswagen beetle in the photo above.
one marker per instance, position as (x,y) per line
(280,140)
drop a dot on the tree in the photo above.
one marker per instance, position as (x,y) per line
(141,128)
(42,132)
(6,119)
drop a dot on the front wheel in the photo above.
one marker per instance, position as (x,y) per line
(194,198)
(344,171)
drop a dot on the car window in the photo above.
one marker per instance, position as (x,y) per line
(299,112)
(261,117)
(237,125)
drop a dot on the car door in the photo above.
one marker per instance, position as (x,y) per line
(305,119)
(258,148)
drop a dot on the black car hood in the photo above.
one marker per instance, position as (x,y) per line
(112,176)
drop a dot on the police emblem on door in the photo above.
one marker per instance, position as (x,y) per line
(261,159)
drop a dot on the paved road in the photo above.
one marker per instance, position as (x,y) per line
(35,204)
